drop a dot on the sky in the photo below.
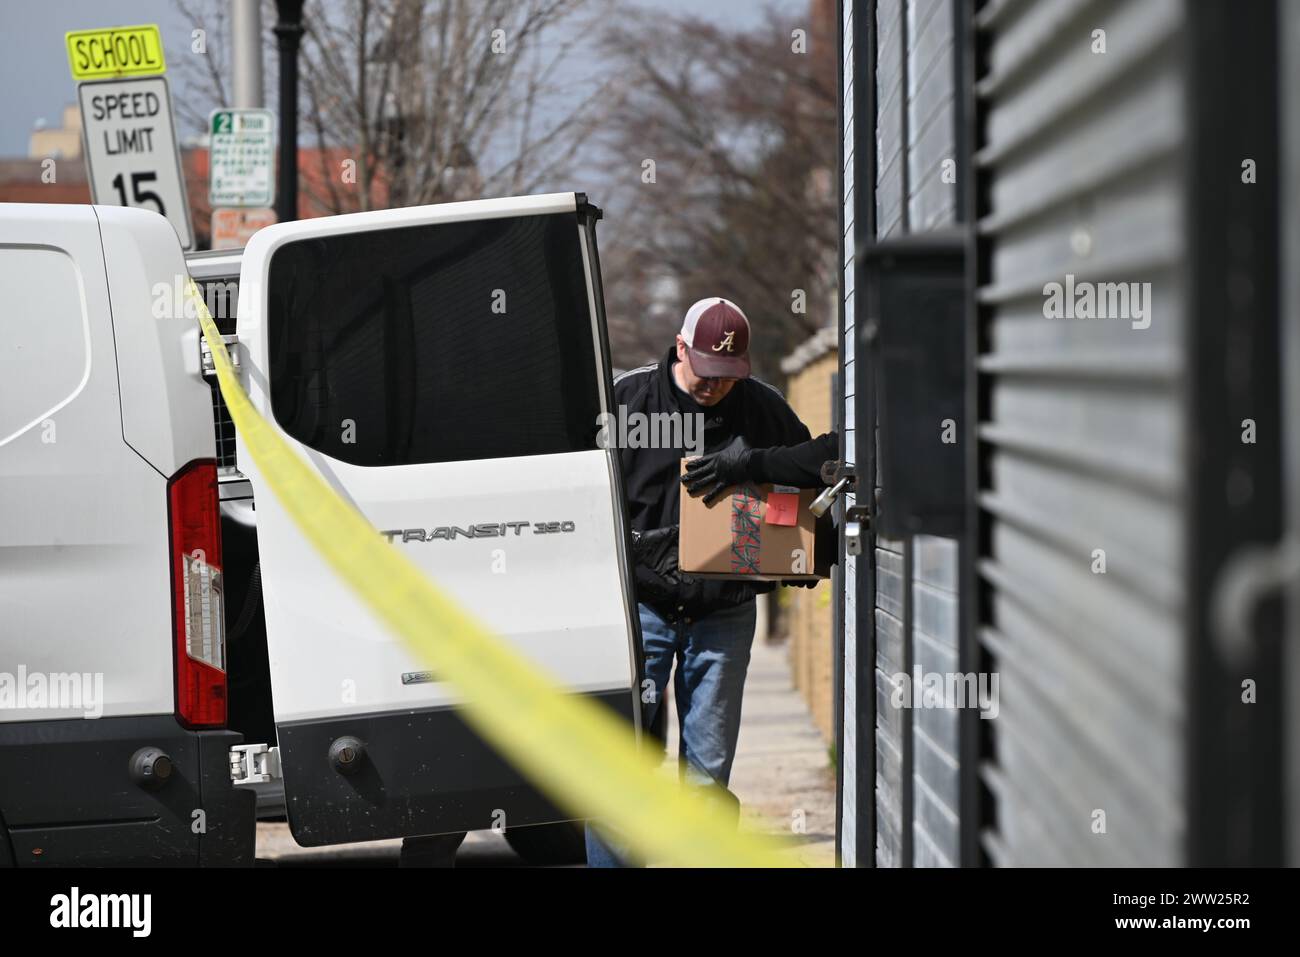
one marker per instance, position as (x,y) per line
(34,68)
(34,62)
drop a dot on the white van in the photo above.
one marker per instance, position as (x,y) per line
(443,368)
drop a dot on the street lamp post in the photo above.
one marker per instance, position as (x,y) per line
(288,34)
(246,54)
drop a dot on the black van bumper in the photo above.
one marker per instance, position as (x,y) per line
(67,797)
(419,773)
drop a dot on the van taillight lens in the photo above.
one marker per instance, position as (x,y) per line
(197,611)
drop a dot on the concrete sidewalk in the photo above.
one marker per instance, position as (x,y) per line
(782,774)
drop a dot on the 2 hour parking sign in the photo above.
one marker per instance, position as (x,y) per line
(242,158)
(131,151)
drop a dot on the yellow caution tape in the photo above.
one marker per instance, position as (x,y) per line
(578,752)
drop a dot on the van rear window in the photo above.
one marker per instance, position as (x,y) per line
(435,343)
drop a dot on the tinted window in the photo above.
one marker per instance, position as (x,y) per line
(435,343)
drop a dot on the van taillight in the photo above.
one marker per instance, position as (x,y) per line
(198,618)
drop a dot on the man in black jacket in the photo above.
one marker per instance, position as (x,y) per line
(707,626)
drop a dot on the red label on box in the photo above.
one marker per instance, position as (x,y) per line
(782,508)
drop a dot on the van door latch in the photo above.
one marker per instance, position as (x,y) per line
(252,764)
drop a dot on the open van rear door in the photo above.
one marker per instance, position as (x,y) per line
(443,368)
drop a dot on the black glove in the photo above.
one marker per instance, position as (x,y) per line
(656,550)
(660,592)
(654,555)
(719,470)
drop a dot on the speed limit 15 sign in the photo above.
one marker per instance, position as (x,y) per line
(131,151)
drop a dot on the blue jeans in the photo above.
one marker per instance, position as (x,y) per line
(712,655)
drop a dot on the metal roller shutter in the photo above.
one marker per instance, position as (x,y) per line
(932,206)
(1082,431)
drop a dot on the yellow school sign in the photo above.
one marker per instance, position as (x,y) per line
(115,52)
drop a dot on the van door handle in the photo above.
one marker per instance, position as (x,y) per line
(1248,576)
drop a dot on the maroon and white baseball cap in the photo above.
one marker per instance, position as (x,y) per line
(717,339)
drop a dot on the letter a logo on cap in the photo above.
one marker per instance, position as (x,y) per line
(717,339)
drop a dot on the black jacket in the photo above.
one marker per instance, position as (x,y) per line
(797,465)
(752,408)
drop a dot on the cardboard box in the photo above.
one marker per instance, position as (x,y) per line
(752,533)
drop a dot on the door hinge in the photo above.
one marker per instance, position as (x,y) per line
(252,764)
(205,355)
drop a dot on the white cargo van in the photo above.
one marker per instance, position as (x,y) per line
(112,670)
(443,369)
